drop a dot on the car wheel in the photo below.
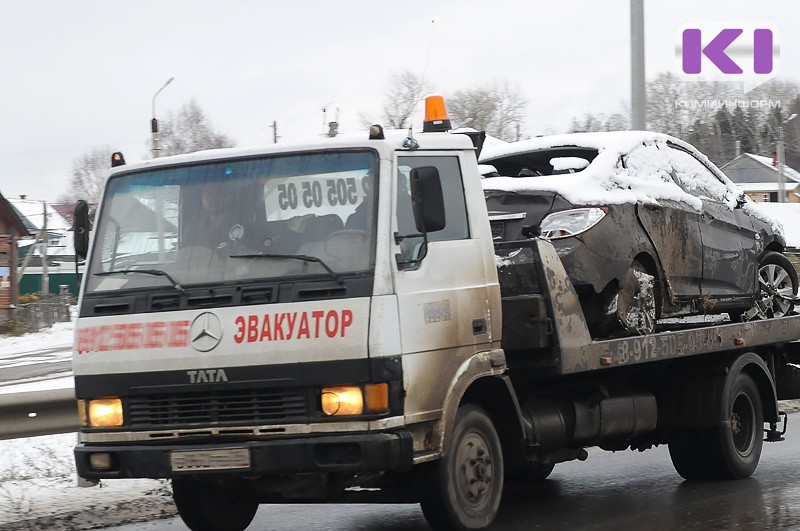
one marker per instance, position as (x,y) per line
(636,302)
(777,280)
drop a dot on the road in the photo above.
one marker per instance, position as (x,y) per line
(35,364)
(610,491)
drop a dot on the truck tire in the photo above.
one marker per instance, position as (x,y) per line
(463,489)
(214,505)
(730,451)
(736,445)
(689,451)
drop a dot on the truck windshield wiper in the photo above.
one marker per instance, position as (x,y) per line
(154,272)
(303,257)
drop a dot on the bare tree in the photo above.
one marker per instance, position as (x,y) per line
(89,174)
(600,122)
(498,109)
(189,131)
(404,91)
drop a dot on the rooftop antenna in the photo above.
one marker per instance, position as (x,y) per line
(425,67)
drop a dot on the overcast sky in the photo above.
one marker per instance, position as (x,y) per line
(79,75)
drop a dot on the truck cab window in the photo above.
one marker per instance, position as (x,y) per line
(239,220)
(456,226)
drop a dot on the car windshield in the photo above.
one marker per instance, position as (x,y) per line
(237,220)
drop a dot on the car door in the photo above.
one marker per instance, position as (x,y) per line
(727,243)
(672,226)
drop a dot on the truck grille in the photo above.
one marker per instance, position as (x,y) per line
(231,407)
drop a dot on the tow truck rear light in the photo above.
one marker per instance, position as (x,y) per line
(436,119)
(105,413)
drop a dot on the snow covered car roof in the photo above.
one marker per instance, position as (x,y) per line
(618,167)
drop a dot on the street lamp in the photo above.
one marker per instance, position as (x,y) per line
(154,122)
(782,161)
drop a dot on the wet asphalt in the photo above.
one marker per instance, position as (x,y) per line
(610,491)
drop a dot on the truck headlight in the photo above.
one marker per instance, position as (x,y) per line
(571,222)
(342,400)
(353,400)
(105,413)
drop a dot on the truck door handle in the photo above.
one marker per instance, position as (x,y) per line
(478,326)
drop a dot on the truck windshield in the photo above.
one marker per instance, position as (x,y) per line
(234,220)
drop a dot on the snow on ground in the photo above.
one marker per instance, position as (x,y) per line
(39,490)
(789,216)
(38,485)
(57,336)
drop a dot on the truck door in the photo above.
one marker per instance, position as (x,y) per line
(443,301)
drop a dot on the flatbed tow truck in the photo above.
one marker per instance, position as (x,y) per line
(405,356)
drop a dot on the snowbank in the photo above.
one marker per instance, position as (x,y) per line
(788,214)
(38,490)
(57,336)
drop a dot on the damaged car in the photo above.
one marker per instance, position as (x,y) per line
(645,225)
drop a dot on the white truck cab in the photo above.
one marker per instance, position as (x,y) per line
(308,309)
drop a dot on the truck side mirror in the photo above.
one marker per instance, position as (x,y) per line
(80,227)
(427,199)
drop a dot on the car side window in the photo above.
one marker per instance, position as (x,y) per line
(455,210)
(695,178)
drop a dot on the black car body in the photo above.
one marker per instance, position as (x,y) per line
(621,202)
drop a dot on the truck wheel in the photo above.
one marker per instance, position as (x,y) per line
(736,446)
(689,453)
(214,505)
(463,488)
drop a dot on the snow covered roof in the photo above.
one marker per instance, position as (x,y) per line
(749,168)
(766,187)
(32,215)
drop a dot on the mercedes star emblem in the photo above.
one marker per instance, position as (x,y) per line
(206,332)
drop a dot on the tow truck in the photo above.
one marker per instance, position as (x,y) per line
(333,321)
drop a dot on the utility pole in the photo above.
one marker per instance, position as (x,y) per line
(274,131)
(154,122)
(45,241)
(637,65)
(782,161)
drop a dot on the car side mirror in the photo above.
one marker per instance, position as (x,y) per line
(80,228)
(741,200)
(427,199)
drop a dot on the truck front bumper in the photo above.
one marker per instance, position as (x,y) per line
(338,453)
